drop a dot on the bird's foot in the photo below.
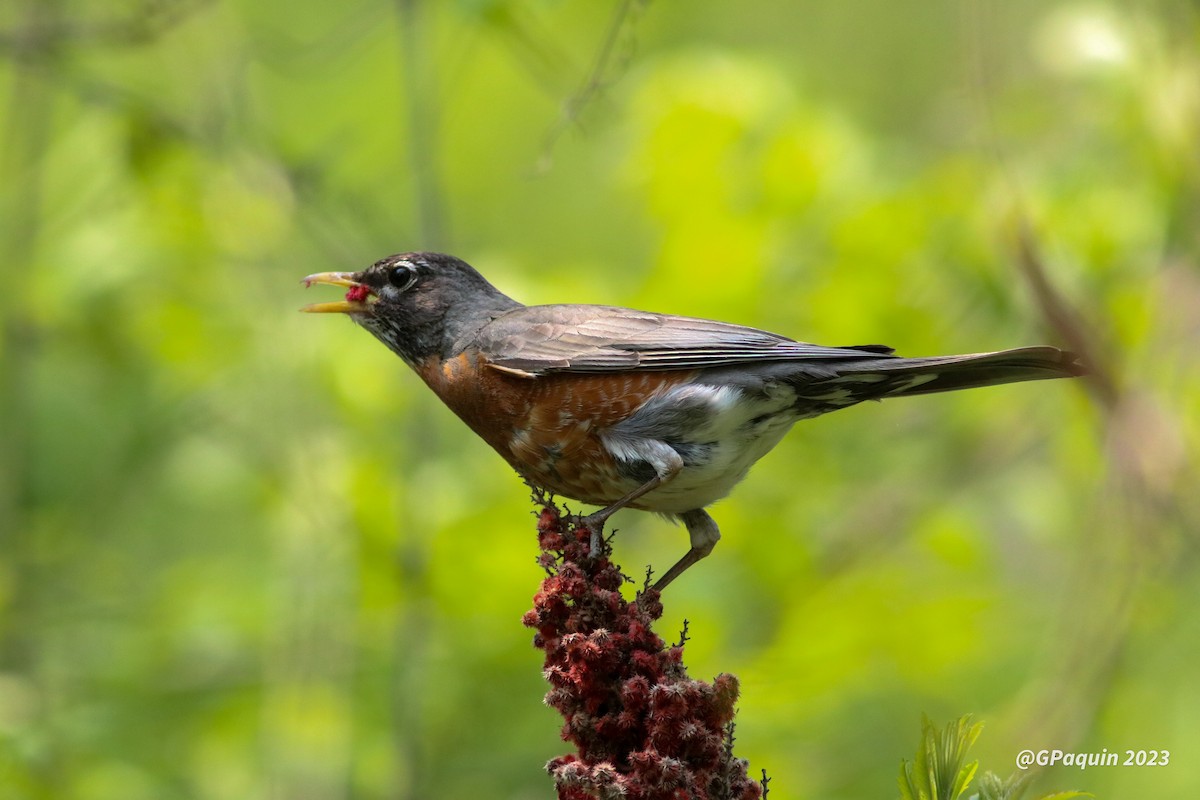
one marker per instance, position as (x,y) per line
(594,522)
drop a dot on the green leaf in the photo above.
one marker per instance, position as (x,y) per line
(938,771)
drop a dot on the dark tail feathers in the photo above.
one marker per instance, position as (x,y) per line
(949,373)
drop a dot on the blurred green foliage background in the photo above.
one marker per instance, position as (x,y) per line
(245,554)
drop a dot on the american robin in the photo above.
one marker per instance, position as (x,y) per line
(616,407)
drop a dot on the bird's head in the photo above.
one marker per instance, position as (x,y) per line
(418,304)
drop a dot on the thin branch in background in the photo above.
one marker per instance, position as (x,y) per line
(1139,429)
(27,134)
(1148,468)
(1057,314)
(1077,674)
(423,117)
(534,47)
(147,23)
(1131,538)
(612,59)
(1059,317)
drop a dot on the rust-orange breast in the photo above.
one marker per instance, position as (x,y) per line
(548,427)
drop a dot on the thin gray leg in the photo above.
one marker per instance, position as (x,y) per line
(704,535)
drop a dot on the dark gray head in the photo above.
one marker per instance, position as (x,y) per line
(418,304)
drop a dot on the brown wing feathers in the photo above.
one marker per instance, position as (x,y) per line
(573,338)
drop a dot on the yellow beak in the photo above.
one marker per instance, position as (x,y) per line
(337,306)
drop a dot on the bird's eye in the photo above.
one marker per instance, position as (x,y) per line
(402,276)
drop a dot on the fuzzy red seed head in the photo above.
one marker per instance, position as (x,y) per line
(550,539)
(547,519)
(641,727)
(357,293)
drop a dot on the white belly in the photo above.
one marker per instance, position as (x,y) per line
(717,430)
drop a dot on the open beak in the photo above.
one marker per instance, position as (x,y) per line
(355,296)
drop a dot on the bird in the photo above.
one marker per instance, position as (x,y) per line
(621,408)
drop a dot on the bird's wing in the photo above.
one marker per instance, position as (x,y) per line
(534,340)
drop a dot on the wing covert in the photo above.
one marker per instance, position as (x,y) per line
(535,340)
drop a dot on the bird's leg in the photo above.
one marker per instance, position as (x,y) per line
(595,521)
(704,535)
(667,464)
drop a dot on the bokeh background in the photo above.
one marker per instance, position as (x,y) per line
(245,554)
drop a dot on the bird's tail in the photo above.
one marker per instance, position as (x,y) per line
(900,377)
